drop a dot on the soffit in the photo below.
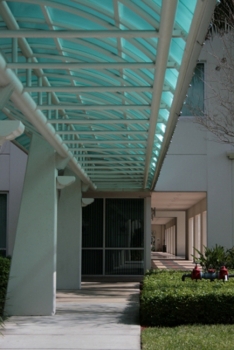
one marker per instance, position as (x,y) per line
(175,200)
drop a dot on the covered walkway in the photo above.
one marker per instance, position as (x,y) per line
(160,260)
(101,316)
(91,91)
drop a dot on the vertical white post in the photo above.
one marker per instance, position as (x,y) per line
(69,236)
(197,233)
(32,283)
(204,232)
(147,231)
(191,239)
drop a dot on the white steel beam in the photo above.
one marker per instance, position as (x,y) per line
(102,132)
(109,149)
(131,161)
(196,37)
(166,28)
(108,156)
(25,103)
(12,24)
(81,65)
(77,89)
(111,142)
(127,171)
(68,34)
(98,121)
(5,94)
(99,107)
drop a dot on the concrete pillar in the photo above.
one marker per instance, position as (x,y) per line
(31,288)
(147,232)
(69,245)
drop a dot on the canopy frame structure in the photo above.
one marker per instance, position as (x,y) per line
(102,82)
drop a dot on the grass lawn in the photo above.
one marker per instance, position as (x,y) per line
(194,337)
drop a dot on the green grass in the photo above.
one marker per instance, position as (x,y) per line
(196,337)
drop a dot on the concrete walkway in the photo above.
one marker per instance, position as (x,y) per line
(100,316)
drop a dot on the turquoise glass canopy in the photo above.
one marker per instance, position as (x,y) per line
(106,78)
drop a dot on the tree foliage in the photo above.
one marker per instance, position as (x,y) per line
(218,116)
(223,17)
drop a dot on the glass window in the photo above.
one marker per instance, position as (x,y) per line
(124,223)
(92,262)
(124,262)
(92,224)
(194,103)
(114,245)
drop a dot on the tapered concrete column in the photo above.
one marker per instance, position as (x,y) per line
(69,236)
(147,232)
(31,287)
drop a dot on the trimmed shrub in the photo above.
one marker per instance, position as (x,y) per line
(4,275)
(167,301)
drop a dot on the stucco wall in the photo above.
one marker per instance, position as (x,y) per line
(196,161)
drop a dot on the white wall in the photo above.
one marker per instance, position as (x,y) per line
(202,168)
(187,154)
(12,170)
(196,161)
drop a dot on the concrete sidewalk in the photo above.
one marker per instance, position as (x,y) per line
(100,316)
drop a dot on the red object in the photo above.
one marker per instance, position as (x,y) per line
(223,272)
(196,273)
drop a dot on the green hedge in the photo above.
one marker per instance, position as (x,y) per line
(4,275)
(167,301)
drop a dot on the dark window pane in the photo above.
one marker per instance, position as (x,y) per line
(124,262)
(92,224)
(194,103)
(3,213)
(92,262)
(124,223)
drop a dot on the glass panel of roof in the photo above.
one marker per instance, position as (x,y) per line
(31,10)
(89,49)
(164,113)
(133,19)
(145,7)
(184,13)
(105,46)
(102,10)
(80,19)
(177,49)
(172,76)
(139,54)
(134,78)
(167,98)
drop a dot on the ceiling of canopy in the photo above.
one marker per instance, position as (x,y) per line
(102,81)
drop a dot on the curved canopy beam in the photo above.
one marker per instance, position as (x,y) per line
(102,81)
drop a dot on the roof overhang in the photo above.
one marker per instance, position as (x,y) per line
(102,82)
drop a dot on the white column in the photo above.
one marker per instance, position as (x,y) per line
(197,236)
(31,287)
(191,239)
(147,233)
(204,232)
(69,246)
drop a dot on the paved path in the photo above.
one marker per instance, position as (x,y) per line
(172,264)
(101,316)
